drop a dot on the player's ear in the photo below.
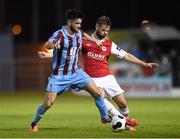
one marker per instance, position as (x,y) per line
(68,22)
(96,26)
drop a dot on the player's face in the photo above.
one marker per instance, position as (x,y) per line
(102,31)
(76,25)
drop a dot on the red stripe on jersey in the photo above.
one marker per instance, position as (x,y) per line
(77,42)
(57,37)
(68,57)
(59,55)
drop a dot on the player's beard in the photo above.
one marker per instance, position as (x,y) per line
(100,36)
(73,29)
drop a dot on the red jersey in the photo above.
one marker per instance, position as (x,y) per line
(96,58)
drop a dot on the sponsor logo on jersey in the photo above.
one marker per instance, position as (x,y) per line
(118,48)
(95,56)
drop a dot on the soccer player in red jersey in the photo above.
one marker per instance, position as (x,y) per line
(96,66)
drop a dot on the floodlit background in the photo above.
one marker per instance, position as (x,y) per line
(26,25)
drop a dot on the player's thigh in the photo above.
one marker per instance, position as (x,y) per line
(120,100)
(111,86)
(82,81)
(58,84)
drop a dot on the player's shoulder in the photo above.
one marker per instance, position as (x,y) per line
(87,43)
(107,41)
(58,31)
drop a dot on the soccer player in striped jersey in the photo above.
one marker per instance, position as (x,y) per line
(65,72)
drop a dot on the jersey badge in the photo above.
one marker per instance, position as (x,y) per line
(103,48)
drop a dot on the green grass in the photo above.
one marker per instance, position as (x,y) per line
(76,116)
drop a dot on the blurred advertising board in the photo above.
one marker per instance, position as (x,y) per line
(146,87)
(138,81)
(135,80)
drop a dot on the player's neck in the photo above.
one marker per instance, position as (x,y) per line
(69,31)
(96,37)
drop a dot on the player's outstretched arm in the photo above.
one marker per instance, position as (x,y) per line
(42,54)
(134,59)
(50,45)
(87,37)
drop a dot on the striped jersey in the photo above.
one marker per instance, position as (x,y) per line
(65,59)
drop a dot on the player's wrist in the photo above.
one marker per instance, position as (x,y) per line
(145,64)
(49,45)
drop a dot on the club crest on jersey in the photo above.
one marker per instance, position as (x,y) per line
(103,48)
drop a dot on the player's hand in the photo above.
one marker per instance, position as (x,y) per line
(51,45)
(41,54)
(151,65)
(57,46)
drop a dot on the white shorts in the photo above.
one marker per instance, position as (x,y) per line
(109,84)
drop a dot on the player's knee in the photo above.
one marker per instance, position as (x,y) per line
(48,104)
(98,93)
(102,92)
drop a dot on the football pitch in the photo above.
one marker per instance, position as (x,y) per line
(75,116)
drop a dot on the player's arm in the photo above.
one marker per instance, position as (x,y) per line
(129,57)
(53,41)
(43,54)
(50,45)
(87,37)
(132,58)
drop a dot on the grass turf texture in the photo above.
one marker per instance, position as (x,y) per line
(76,116)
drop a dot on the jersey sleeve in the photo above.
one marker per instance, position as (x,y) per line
(56,37)
(116,50)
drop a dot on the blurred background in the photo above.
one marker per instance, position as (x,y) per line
(26,25)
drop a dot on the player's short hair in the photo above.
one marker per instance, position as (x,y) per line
(103,20)
(72,14)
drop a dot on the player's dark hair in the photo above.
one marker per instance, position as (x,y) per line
(104,20)
(72,14)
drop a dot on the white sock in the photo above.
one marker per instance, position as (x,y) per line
(124,111)
(111,109)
